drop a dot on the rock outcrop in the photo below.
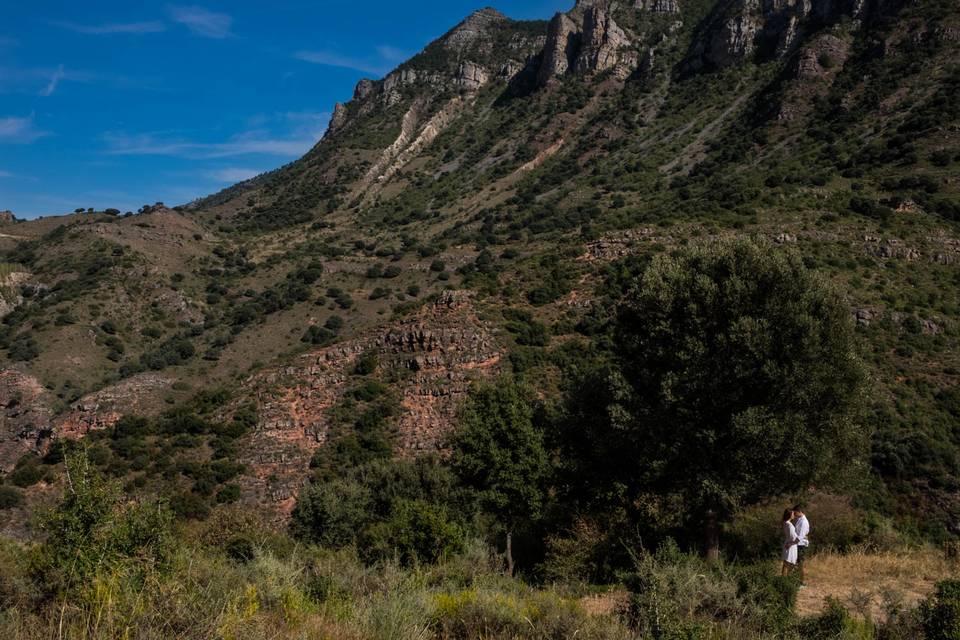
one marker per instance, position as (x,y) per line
(7,216)
(563,42)
(738,30)
(487,45)
(474,31)
(604,45)
(658,6)
(25,415)
(29,424)
(471,76)
(139,395)
(820,56)
(434,356)
(12,286)
(587,40)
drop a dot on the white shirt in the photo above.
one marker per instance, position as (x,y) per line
(803,530)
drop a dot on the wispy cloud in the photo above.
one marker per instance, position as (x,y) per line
(5,174)
(392,54)
(39,79)
(19,130)
(288,135)
(233,174)
(6,41)
(113,28)
(55,79)
(330,59)
(379,63)
(202,22)
(119,143)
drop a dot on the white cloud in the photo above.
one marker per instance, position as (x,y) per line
(55,79)
(202,22)
(5,174)
(38,79)
(111,28)
(380,63)
(392,53)
(252,143)
(330,59)
(289,134)
(19,130)
(233,174)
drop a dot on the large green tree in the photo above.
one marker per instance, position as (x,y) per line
(499,453)
(737,380)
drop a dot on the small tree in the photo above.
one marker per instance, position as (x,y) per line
(745,377)
(95,529)
(499,453)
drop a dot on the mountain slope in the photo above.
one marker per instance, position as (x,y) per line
(531,163)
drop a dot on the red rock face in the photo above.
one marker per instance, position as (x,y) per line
(28,423)
(25,418)
(435,356)
(139,395)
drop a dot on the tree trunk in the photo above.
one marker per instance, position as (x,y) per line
(711,537)
(510,553)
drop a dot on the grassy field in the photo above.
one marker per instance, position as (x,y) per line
(870,584)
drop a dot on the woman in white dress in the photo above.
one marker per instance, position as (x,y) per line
(790,540)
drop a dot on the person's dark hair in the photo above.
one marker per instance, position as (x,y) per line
(798,507)
(787,515)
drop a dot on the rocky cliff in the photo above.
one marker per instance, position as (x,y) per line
(432,358)
(739,30)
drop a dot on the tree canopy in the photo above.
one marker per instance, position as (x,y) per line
(735,378)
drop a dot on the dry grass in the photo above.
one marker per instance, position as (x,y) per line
(867,583)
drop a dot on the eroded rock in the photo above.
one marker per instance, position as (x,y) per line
(435,356)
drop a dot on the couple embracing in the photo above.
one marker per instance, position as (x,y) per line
(796,533)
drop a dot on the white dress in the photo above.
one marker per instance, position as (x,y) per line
(789,542)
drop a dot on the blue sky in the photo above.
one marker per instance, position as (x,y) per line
(110,103)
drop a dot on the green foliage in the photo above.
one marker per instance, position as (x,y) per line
(526,330)
(366,364)
(738,379)
(10,497)
(499,452)
(836,622)
(676,595)
(95,528)
(941,612)
(385,508)
(23,348)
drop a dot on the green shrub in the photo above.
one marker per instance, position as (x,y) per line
(95,527)
(28,471)
(835,623)
(10,497)
(940,613)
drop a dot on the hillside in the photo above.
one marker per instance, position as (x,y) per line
(477,209)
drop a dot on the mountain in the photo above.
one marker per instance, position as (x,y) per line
(474,210)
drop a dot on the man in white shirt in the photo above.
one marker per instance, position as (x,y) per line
(803,539)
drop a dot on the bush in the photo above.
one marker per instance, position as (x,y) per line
(23,349)
(835,623)
(228,494)
(417,532)
(28,471)
(366,364)
(10,497)
(940,613)
(94,527)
